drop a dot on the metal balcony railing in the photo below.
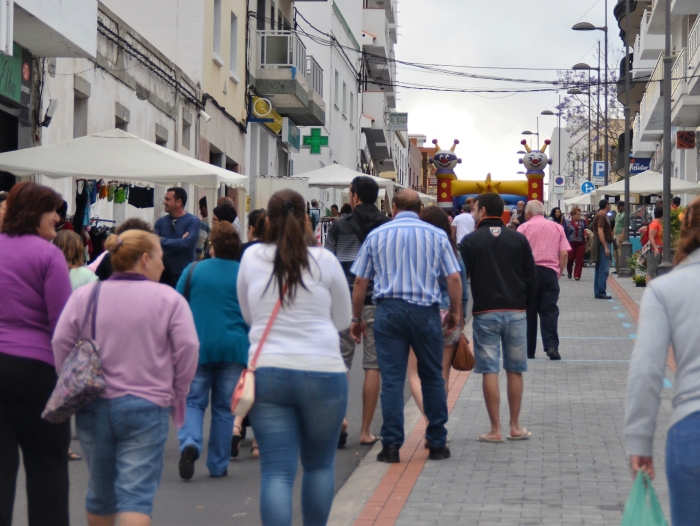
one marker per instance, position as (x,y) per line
(314,75)
(282,49)
(694,45)
(678,72)
(654,85)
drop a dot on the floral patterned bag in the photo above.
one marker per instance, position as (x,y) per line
(81,379)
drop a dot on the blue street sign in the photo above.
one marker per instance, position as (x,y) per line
(587,187)
(599,171)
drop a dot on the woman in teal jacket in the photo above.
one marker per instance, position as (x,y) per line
(210,288)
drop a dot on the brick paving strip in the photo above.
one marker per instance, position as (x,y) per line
(386,503)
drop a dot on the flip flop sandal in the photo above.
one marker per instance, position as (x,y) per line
(371,442)
(484,438)
(523,436)
(73,456)
(235,445)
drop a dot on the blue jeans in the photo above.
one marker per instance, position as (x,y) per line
(602,268)
(398,326)
(683,470)
(123,440)
(219,378)
(493,331)
(297,414)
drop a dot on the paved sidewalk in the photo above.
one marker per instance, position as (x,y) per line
(574,469)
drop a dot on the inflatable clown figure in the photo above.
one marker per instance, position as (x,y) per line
(445,162)
(535,162)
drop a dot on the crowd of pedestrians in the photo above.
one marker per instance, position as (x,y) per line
(180,310)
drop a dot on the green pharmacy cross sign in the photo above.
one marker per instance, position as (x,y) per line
(315,141)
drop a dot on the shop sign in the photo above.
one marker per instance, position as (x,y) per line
(432,181)
(685,140)
(432,190)
(398,122)
(291,136)
(638,165)
(16,76)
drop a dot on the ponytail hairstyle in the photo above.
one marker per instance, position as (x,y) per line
(286,228)
(690,232)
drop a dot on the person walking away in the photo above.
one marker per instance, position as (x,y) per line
(406,258)
(550,250)
(601,228)
(210,289)
(668,318)
(202,241)
(178,230)
(74,251)
(463,224)
(344,239)
(35,287)
(148,347)
(63,223)
(301,386)
(619,233)
(653,256)
(576,236)
(555,215)
(503,280)
(103,266)
(436,216)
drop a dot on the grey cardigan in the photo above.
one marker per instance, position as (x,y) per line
(669,315)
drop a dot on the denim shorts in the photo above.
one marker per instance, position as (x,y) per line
(123,440)
(498,330)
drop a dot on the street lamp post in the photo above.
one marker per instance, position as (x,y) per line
(585,26)
(576,91)
(528,132)
(583,66)
(626,248)
(666,265)
(558,115)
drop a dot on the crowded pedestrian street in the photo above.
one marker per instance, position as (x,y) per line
(572,471)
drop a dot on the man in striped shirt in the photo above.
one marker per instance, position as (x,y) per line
(406,257)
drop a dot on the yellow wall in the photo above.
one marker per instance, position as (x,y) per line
(215,77)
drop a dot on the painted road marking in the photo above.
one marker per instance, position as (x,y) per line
(667,384)
(627,325)
(620,315)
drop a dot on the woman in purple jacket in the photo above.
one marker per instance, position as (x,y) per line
(35,287)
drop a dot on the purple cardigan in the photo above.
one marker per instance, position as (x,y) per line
(34,288)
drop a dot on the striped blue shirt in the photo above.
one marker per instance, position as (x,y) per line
(406,257)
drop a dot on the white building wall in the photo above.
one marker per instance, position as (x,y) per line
(342,122)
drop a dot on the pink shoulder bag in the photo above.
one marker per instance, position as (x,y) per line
(244,394)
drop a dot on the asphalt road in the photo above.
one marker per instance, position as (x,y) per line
(218,501)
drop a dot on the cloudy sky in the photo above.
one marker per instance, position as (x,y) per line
(500,33)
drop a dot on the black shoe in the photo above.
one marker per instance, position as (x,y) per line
(530,356)
(389,454)
(439,453)
(604,297)
(553,354)
(235,445)
(568,276)
(187,458)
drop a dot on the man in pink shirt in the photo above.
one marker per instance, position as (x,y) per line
(550,248)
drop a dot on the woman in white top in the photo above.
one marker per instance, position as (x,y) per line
(301,386)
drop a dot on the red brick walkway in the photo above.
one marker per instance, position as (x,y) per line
(385,505)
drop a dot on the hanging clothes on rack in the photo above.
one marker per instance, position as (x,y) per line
(81,201)
(141,197)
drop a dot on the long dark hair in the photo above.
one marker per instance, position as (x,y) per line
(438,218)
(553,215)
(286,228)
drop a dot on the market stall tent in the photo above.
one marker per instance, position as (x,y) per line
(583,199)
(115,155)
(649,183)
(337,176)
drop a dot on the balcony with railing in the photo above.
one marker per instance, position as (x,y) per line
(640,148)
(291,80)
(636,88)
(694,58)
(651,107)
(636,10)
(685,108)
(651,42)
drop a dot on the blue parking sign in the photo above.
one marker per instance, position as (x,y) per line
(599,171)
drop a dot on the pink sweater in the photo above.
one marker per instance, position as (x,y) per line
(147,339)
(34,287)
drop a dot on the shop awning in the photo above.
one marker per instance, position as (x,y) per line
(337,176)
(119,156)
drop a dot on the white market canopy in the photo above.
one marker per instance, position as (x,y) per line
(337,176)
(649,183)
(117,155)
(425,198)
(583,199)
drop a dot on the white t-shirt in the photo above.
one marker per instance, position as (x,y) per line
(464,223)
(304,336)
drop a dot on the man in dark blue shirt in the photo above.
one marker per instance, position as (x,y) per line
(178,230)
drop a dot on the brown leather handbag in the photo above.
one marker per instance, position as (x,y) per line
(464,357)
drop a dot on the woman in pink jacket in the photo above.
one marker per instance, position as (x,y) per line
(149,350)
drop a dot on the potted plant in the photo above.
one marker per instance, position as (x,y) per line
(640,280)
(633,261)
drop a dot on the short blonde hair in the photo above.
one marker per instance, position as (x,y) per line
(72,247)
(127,248)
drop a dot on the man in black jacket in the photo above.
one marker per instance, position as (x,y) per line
(344,239)
(503,280)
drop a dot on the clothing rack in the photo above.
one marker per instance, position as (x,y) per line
(98,220)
